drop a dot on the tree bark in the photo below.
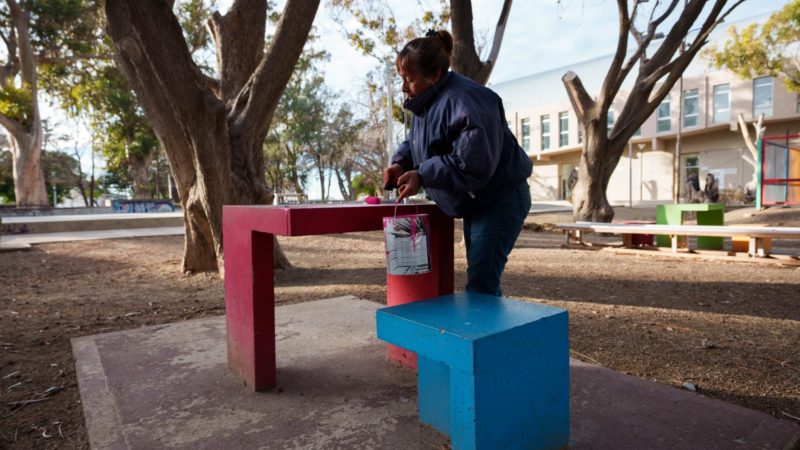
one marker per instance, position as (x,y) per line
(26,134)
(141,177)
(213,137)
(26,151)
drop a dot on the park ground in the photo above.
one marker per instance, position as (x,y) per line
(728,329)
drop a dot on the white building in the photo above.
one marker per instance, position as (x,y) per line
(541,116)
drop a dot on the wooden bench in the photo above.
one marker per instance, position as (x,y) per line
(492,373)
(757,235)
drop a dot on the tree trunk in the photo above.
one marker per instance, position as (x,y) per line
(26,133)
(29,187)
(589,200)
(141,177)
(212,131)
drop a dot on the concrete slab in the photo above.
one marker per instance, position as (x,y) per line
(168,386)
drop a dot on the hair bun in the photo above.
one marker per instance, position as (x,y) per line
(447,40)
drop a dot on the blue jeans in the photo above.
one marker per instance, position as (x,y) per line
(490,236)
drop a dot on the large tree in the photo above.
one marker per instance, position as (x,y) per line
(212,129)
(656,76)
(770,50)
(35,33)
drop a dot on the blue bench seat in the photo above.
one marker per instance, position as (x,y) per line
(493,373)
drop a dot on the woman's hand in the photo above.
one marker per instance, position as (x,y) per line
(391,175)
(409,184)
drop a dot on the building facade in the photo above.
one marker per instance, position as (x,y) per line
(702,110)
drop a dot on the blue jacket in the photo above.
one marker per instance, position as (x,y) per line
(461,145)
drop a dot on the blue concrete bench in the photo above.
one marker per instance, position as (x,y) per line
(492,373)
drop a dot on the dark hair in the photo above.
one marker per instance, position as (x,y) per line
(428,54)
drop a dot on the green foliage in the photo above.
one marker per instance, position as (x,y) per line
(17,103)
(770,50)
(193,16)
(7,195)
(379,34)
(363,185)
(65,27)
(60,170)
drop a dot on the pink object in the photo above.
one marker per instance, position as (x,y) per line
(372,200)
(249,279)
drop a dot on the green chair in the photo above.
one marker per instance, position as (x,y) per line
(707,214)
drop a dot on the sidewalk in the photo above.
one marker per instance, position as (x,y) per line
(24,241)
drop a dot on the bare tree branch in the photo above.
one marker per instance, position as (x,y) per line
(581,101)
(607,92)
(499,32)
(12,125)
(258,98)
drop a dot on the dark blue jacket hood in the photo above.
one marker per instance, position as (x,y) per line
(461,145)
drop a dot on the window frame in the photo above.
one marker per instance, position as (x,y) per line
(544,135)
(687,95)
(664,119)
(757,112)
(563,129)
(525,133)
(718,112)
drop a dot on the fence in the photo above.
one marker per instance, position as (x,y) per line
(780,170)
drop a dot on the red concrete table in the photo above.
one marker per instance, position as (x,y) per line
(249,279)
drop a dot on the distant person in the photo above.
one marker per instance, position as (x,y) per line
(572,180)
(711,190)
(460,149)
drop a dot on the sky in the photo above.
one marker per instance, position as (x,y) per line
(540,35)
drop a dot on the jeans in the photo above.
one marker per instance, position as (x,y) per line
(490,236)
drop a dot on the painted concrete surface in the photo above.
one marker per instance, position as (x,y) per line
(169,386)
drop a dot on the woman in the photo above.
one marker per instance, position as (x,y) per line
(462,152)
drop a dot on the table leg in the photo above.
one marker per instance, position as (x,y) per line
(250,305)
(711,217)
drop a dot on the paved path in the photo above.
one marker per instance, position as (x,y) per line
(24,241)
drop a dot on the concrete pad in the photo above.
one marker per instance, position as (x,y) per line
(168,386)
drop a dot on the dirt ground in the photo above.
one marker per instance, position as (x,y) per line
(730,329)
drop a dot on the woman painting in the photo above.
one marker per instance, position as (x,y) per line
(461,151)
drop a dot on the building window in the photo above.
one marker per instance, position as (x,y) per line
(762,96)
(690,108)
(563,129)
(546,132)
(526,134)
(722,103)
(638,132)
(662,116)
(610,121)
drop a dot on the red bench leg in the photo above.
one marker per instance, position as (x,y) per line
(250,305)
